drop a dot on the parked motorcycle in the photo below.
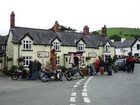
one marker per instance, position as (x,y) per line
(47,75)
(73,73)
(20,74)
(91,70)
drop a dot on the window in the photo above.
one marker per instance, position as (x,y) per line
(27,60)
(138,46)
(58,61)
(107,48)
(27,45)
(82,61)
(56,46)
(81,47)
(66,59)
(3,47)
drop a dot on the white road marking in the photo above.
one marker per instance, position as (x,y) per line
(72,99)
(84,90)
(73,94)
(86,100)
(75,86)
(85,86)
(84,94)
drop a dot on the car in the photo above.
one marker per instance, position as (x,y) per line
(119,64)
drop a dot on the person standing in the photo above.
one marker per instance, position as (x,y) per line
(97,65)
(30,69)
(130,63)
(76,61)
(108,64)
(34,69)
(39,69)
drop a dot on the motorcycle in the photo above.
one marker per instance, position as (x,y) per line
(47,75)
(72,73)
(91,70)
(20,74)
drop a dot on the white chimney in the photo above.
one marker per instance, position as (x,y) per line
(123,39)
(112,40)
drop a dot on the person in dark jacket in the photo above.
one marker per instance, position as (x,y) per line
(76,61)
(130,63)
(108,64)
(30,69)
(34,70)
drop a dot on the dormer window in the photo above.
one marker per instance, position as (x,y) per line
(27,44)
(56,46)
(107,48)
(81,47)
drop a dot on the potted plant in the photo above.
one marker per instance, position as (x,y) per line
(88,58)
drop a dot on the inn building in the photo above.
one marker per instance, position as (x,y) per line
(33,43)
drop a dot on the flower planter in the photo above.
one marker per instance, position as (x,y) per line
(84,71)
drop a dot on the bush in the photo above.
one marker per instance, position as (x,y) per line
(63,68)
(21,67)
(12,69)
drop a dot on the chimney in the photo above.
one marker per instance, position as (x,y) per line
(86,30)
(123,39)
(12,20)
(56,27)
(104,30)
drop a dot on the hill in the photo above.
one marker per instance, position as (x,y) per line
(128,33)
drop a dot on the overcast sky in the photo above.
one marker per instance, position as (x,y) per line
(74,13)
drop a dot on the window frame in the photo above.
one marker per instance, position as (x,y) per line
(27,59)
(56,46)
(27,44)
(81,47)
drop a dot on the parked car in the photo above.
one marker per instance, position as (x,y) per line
(119,64)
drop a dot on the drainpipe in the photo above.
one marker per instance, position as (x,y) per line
(18,52)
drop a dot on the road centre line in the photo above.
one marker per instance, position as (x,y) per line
(86,100)
(72,99)
(84,91)
(73,94)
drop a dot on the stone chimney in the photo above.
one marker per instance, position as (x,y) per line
(56,27)
(104,30)
(86,30)
(12,20)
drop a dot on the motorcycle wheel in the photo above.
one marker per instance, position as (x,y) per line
(26,77)
(14,76)
(60,76)
(44,78)
(68,76)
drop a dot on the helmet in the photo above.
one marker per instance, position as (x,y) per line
(130,53)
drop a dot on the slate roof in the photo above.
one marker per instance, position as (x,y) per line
(126,43)
(3,40)
(45,37)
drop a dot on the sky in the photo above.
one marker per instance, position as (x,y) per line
(71,13)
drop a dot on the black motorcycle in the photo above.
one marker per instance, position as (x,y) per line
(20,74)
(91,70)
(73,73)
(47,75)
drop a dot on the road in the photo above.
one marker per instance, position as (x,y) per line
(119,89)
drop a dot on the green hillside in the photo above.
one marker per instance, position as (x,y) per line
(128,33)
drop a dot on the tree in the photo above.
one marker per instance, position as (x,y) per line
(115,37)
(65,28)
(95,32)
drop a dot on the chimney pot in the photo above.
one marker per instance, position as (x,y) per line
(86,30)
(12,20)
